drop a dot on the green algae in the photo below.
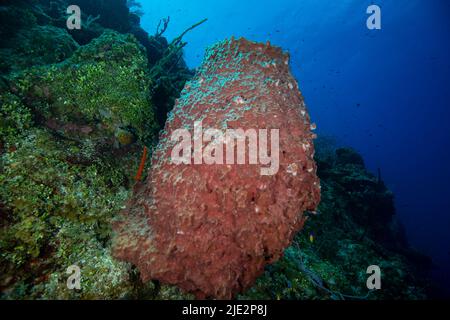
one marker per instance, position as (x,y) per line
(103,85)
(74,120)
(42,193)
(15,118)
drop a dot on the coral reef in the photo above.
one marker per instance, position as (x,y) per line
(72,127)
(101,91)
(34,33)
(211,228)
(55,213)
(77,109)
(36,46)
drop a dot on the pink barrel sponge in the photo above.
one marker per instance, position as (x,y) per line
(210,226)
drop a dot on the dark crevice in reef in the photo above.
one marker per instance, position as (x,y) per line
(76,109)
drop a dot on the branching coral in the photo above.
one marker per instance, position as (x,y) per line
(166,63)
(89,21)
(162,26)
(168,73)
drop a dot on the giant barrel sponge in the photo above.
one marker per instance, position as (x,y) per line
(210,226)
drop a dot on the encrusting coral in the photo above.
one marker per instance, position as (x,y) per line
(71,138)
(101,89)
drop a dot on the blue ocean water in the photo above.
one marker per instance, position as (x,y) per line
(383,92)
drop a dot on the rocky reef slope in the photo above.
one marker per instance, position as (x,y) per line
(355,227)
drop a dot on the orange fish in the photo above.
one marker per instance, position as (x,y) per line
(141,166)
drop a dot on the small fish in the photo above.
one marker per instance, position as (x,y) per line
(141,166)
(311,237)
